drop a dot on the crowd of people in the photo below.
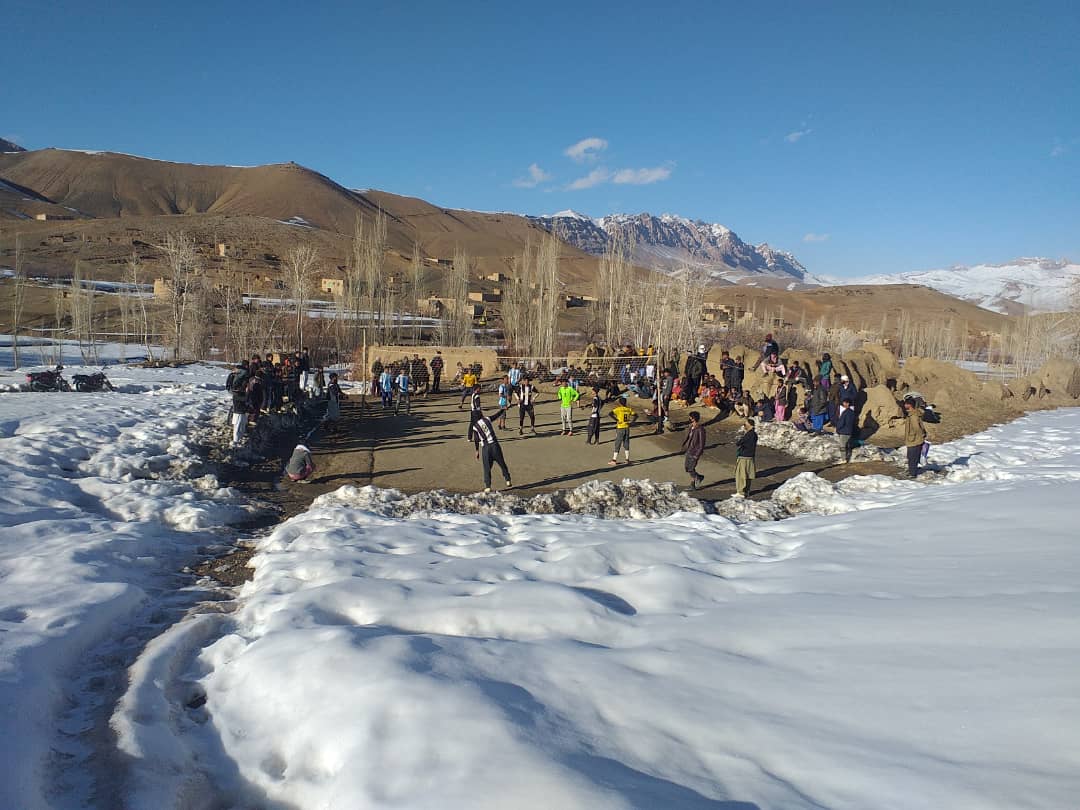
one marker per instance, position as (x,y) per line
(809,398)
(276,383)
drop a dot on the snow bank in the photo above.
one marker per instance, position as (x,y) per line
(96,515)
(812,446)
(903,646)
(604,499)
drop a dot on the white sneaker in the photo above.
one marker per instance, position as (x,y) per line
(487,489)
(738,495)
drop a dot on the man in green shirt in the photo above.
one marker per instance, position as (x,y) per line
(568,395)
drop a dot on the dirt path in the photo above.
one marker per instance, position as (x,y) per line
(427,450)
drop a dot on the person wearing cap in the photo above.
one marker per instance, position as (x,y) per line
(624,417)
(914,435)
(696,367)
(848,390)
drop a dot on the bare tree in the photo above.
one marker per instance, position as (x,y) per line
(18,299)
(416,287)
(181,260)
(458,317)
(134,267)
(612,290)
(300,266)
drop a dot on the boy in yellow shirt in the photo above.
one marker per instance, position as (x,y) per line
(624,417)
(468,383)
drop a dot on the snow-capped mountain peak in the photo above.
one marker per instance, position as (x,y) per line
(670,242)
(1026,284)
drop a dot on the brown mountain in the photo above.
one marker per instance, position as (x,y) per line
(106,185)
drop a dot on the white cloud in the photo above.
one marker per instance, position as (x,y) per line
(816,237)
(535,178)
(587,149)
(593,178)
(797,135)
(641,177)
(1058,150)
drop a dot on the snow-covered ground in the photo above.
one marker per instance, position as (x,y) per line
(900,645)
(895,644)
(102,502)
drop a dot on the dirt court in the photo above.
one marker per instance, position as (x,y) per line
(427,450)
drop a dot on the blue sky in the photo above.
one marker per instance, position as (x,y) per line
(863,137)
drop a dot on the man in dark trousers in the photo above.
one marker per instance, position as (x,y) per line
(436,372)
(526,397)
(592,429)
(846,428)
(694,370)
(745,468)
(488,450)
(914,435)
(694,446)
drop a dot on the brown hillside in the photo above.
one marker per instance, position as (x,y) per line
(111,185)
(860,306)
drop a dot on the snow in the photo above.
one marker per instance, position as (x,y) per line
(569,214)
(867,643)
(102,500)
(899,645)
(1041,285)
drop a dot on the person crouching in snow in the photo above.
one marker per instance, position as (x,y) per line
(300,465)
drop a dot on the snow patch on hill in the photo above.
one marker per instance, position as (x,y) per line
(1031,284)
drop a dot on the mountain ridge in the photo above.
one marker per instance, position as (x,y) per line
(670,243)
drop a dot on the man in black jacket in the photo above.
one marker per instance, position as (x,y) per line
(846,428)
(745,468)
(694,370)
(819,405)
(694,446)
(436,372)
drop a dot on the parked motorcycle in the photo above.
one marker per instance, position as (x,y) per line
(93,382)
(48,380)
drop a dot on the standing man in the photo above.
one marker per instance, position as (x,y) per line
(402,384)
(436,372)
(237,384)
(526,393)
(386,386)
(667,388)
(819,405)
(303,361)
(624,417)
(592,431)
(515,375)
(694,446)
(914,435)
(727,370)
(848,390)
(568,395)
(488,450)
(846,428)
(469,381)
(745,468)
(694,370)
